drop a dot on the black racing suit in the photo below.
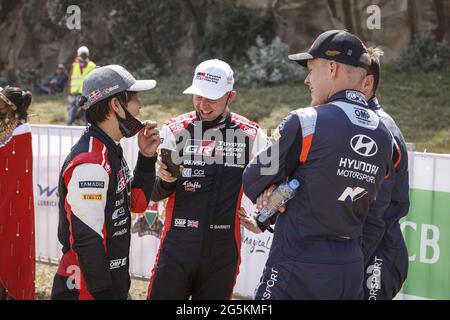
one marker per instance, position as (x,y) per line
(385,252)
(97,193)
(199,254)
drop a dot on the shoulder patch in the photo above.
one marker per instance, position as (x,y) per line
(97,153)
(359,116)
(250,128)
(308,120)
(181,122)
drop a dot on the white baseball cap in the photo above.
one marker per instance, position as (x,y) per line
(82,50)
(212,79)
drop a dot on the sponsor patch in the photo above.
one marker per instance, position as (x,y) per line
(95,197)
(355,96)
(332,53)
(120,232)
(250,131)
(117,263)
(199,147)
(364,145)
(180,223)
(193,173)
(191,187)
(192,223)
(118,213)
(121,222)
(94,96)
(106,91)
(276,135)
(91,184)
(203,76)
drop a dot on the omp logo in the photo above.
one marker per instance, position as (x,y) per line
(47,191)
(180,223)
(115,264)
(364,145)
(200,147)
(353,193)
(362,114)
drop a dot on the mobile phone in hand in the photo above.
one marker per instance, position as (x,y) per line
(166,157)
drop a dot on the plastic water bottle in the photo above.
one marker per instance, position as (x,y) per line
(280,196)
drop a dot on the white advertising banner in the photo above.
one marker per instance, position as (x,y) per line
(430,201)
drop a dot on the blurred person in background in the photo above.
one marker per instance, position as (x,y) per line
(81,67)
(17,246)
(55,83)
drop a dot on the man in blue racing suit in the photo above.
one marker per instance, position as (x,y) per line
(340,152)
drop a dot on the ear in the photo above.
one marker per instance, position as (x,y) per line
(232,96)
(114,105)
(333,69)
(367,85)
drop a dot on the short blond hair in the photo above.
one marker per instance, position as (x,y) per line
(375,54)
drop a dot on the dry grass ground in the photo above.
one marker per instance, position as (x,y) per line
(44,281)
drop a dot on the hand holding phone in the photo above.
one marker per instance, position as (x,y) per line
(166,158)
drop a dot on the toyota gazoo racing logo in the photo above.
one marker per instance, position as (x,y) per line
(364,145)
(200,147)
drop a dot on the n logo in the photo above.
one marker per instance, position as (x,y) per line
(47,191)
(364,145)
(354,194)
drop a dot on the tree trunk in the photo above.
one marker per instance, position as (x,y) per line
(332,7)
(357,15)
(412,19)
(441,28)
(348,17)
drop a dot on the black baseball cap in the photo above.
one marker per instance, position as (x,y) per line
(337,45)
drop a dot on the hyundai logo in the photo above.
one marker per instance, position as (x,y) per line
(363,145)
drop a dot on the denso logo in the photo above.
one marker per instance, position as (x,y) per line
(364,145)
(200,147)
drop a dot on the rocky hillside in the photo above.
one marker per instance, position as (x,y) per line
(175,34)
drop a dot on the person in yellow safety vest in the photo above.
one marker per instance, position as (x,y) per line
(80,69)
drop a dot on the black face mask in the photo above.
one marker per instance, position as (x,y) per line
(129,126)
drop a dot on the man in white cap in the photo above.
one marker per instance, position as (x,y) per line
(97,192)
(199,253)
(81,67)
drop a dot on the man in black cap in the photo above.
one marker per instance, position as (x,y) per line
(97,191)
(340,152)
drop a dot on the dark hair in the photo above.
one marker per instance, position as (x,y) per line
(374,68)
(99,111)
(22,100)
